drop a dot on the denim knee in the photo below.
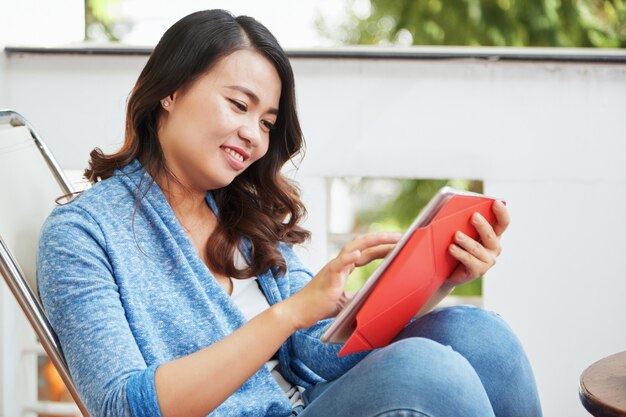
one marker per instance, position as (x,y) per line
(411,377)
(467,329)
(492,349)
(424,376)
(407,359)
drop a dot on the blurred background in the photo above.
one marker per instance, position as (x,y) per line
(567,23)
(326,23)
(362,204)
(499,126)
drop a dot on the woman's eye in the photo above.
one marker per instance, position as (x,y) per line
(239,105)
(269,126)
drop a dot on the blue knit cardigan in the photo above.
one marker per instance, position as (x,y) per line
(126,291)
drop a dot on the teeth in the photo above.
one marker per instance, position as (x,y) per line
(235,155)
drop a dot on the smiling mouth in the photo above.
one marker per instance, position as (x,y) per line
(235,154)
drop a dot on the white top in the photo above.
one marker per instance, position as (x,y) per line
(248,296)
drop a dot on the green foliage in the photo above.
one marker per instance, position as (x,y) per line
(567,23)
(101,14)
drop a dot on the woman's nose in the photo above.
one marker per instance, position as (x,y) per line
(251,133)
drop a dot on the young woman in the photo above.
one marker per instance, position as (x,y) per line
(173,286)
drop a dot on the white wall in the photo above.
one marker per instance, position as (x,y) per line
(8,307)
(3,79)
(36,22)
(547,137)
(75,102)
(26,22)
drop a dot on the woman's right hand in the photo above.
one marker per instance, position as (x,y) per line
(324,295)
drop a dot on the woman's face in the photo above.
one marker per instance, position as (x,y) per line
(214,129)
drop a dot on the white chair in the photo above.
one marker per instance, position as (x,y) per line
(30,182)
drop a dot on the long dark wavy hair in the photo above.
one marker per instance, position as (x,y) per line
(260,204)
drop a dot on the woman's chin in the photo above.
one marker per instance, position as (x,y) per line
(222,182)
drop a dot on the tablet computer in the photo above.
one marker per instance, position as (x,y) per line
(345,323)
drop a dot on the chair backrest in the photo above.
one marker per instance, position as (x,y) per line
(30,182)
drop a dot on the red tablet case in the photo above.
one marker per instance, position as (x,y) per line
(418,270)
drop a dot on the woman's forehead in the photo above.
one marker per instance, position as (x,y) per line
(250,69)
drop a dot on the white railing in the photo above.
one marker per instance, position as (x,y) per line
(543,129)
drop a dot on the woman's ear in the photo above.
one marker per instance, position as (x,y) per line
(167,102)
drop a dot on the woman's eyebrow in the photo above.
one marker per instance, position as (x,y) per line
(253,97)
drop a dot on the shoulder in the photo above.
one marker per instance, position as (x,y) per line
(102,195)
(110,197)
(101,205)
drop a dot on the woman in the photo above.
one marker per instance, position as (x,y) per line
(172,281)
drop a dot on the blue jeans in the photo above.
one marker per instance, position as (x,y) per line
(457,361)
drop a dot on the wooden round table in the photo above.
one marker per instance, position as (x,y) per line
(603,387)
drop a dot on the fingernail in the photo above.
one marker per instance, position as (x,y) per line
(499,203)
(460,235)
(476,217)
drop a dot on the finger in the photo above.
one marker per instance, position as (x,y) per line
(473,247)
(377,252)
(487,234)
(502,217)
(345,262)
(368,240)
(341,267)
(474,266)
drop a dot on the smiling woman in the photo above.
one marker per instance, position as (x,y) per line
(173,285)
(200,117)
(241,95)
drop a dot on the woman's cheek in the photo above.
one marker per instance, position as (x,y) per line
(265,148)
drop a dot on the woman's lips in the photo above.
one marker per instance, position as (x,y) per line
(240,151)
(232,160)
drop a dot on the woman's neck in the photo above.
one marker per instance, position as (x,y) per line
(196,218)
(189,205)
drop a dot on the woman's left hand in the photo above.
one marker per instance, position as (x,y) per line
(478,257)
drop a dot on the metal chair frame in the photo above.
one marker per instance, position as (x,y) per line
(15,279)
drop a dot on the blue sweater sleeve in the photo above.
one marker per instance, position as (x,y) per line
(79,293)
